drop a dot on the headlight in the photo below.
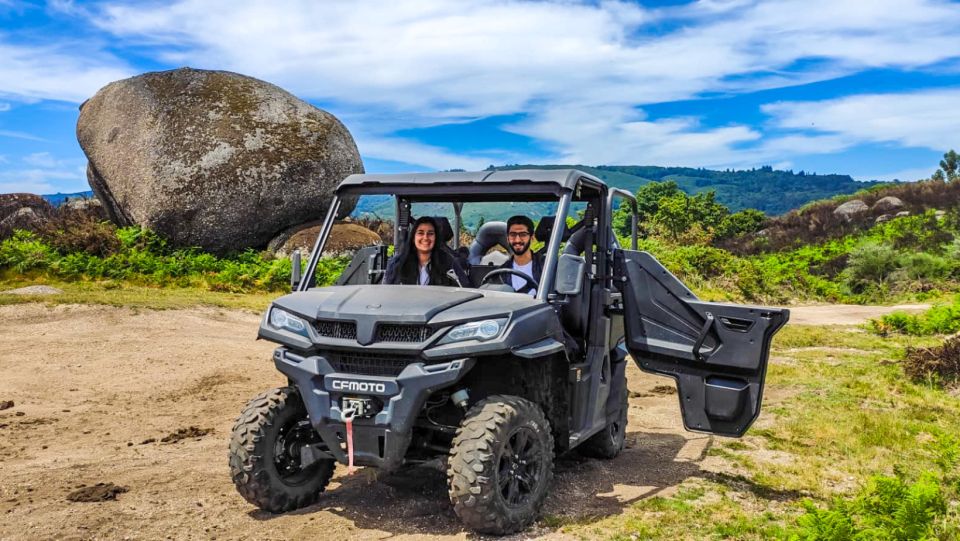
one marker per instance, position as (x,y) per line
(281,319)
(475,330)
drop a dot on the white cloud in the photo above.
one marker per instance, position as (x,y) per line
(65,70)
(4,107)
(45,174)
(20,135)
(917,119)
(388,65)
(40,159)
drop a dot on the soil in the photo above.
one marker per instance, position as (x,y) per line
(186,433)
(90,381)
(99,492)
(846,314)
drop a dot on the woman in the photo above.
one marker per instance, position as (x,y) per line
(420,262)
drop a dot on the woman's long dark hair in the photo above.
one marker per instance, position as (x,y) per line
(409,271)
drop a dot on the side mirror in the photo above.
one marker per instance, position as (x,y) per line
(295,270)
(570,269)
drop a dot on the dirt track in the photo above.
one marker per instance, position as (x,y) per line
(92,385)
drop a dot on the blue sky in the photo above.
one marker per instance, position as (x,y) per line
(868,88)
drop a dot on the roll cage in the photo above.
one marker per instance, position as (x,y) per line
(561,186)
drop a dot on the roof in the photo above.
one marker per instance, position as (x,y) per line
(565,179)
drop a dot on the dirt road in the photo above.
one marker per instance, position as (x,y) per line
(96,389)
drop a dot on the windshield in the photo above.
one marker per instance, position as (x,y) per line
(371,220)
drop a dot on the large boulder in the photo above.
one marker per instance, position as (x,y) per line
(212,158)
(22,211)
(851,209)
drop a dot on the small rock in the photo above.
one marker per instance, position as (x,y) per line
(20,414)
(33,290)
(6,404)
(882,218)
(903,213)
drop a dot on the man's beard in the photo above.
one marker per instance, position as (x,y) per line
(522,250)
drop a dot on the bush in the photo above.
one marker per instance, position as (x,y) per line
(940,364)
(143,256)
(939,319)
(924,266)
(871,265)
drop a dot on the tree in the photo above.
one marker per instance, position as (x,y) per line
(648,202)
(948,167)
(673,214)
(740,223)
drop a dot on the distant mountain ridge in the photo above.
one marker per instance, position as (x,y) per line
(772,191)
(58,198)
(769,190)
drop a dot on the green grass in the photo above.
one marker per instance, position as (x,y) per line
(941,318)
(854,440)
(114,293)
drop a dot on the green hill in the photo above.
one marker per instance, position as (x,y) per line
(769,190)
(772,191)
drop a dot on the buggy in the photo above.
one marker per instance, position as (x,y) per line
(479,381)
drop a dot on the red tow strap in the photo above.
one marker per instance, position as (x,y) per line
(348,419)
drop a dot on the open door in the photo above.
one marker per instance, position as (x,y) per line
(716,352)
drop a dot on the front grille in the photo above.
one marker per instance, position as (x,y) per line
(368,364)
(390,332)
(337,329)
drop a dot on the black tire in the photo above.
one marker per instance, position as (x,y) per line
(608,443)
(265,453)
(500,465)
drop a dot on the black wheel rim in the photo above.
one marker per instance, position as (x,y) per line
(519,468)
(615,430)
(290,440)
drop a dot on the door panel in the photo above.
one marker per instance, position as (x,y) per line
(716,352)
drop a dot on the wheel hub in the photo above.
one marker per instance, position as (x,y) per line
(519,468)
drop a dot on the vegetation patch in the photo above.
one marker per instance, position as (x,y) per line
(939,319)
(940,364)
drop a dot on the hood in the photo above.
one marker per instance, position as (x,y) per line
(368,305)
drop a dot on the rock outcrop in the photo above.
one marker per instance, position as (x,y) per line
(851,209)
(344,238)
(888,203)
(22,211)
(212,158)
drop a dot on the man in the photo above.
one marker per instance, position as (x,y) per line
(520,236)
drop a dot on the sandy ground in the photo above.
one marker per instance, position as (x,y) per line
(845,314)
(93,385)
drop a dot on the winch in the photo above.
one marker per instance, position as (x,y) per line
(361,407)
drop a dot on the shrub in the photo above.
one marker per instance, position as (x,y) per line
(143,256)
(940,364)
(870,265)
(24,251)
(939,319)
(924,266)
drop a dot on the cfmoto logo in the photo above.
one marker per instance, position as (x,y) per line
(358,386)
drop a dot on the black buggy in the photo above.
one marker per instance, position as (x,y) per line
(480,381)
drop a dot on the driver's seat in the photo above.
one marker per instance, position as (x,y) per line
(489,235)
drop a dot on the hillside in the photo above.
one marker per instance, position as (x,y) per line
(771,191)
(817,222)
(766,189)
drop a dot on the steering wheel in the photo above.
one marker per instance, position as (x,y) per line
(497,272)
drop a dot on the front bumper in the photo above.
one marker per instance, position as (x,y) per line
(381,440)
